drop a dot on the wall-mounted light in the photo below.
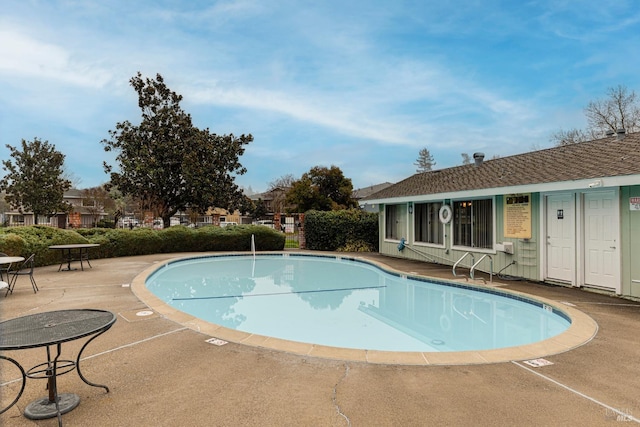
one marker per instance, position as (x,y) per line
(595,184)
(410,208)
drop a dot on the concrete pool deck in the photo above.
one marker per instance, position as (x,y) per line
(162,371)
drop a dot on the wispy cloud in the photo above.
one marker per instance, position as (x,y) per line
(360,84)
(28,57)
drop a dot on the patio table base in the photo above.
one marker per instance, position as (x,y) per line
(43,408)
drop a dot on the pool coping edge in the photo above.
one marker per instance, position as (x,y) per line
(582,329)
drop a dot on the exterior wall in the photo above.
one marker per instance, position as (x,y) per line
(81,218)
(528,258)
(630,242)
(526,251)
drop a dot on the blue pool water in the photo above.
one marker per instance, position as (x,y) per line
(349,303)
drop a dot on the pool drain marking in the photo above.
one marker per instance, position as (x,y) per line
(536,363)
(279,293)
(144,313)
(216,341)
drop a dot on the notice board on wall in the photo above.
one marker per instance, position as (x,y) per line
(517,216)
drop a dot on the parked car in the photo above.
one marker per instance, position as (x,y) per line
(224,223)
(129,222)
(266,223)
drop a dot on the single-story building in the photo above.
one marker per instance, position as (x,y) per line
(567,215)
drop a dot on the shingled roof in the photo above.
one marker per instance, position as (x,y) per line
(361,193)
(606,157)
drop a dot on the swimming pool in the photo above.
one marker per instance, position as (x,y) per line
(348,303)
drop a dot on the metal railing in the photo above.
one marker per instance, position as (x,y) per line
(473,267)
(455,265)
(474,264)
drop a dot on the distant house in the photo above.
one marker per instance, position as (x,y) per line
(82,215)
(364,192)
(567,215)
(274,200)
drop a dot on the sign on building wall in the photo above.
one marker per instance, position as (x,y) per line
(634,203)
(517,216)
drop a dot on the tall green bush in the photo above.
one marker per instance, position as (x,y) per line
(351,229)
(24,241)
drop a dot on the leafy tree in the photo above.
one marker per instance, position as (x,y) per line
(619,110)
(247,207)
(4,206)
(425,161)
(322,189)
(97,200)
(167,162)
(35,182)
(119,202)
(260,210)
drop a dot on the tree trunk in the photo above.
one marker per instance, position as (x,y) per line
(166,221)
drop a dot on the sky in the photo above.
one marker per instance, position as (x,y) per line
(363,85)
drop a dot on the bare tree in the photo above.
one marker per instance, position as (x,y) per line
(466,158)
(620,110)
(97,200)
(284,182)
(279,189)
(571,136)
(425,161)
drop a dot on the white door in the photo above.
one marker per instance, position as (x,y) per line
(601,259)
(561,238)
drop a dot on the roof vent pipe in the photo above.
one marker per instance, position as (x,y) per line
(478,158)
(620,133)
(609,133)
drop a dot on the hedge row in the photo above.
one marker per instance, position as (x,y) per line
(347,230)
(24,241)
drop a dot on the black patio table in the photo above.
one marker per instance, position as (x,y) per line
(69,255)
(47,330)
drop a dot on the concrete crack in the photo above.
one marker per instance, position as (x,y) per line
(335,395)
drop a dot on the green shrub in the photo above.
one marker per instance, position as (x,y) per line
(23,241)
(178,237)
(36,239)
(12,244)
(238,238)
(356,246)
(106,223)
(341,230)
